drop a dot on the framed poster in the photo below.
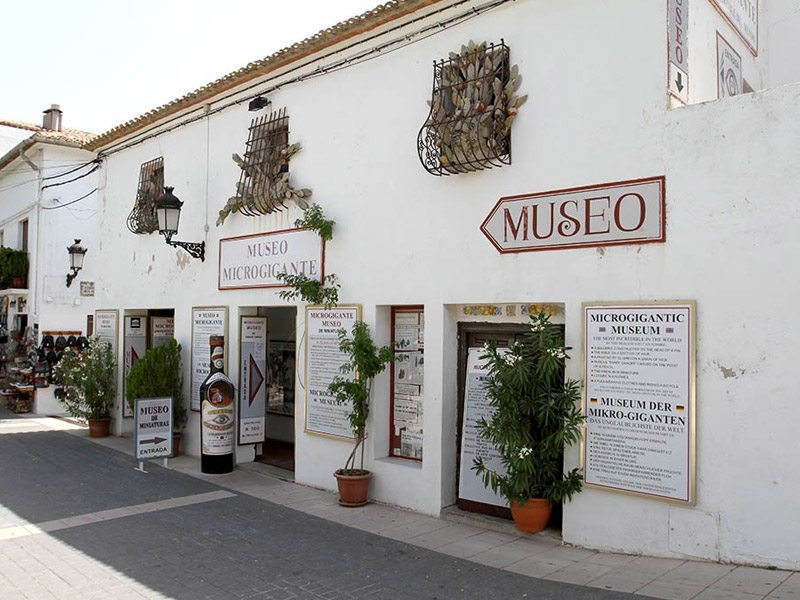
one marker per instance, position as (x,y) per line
(639,373)
(162,330)
(742,15)
(206,321)
(105,327)
(476,407)
(135,344)
(323,415)
(252,378)
(408,377)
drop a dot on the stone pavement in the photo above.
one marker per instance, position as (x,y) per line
(78,521)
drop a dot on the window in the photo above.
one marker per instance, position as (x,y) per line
(23,234)
(151,185)
(408,374)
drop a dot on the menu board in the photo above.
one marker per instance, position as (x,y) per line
(477,406)
(640,398)
(408,373)
(323,362)
(206,321)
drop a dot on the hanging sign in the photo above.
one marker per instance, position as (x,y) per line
(323,361)
(255,261)
(135,343)
(628,212)
(206,321)
(476,407)
(252,379)
(153,428)
(640,398)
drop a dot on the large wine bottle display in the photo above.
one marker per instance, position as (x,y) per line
(217,414)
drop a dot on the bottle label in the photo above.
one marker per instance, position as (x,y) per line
(217,415)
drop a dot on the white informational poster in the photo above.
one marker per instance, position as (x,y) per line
(323,361)
(105,327)
(206,321)
(152,437)
(476,406)
(162,330)
(252,379)
(135,343)
(743,17)
(640,398)
(408,373)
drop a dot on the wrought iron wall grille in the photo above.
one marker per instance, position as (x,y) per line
(263,185)
(472,108)
(142,218)
(264,161)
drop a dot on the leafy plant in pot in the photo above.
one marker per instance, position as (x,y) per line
(158,374)
(18,266)
(353,389)
(536,413)
(88,381)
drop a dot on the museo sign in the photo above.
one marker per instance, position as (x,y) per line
(626,212)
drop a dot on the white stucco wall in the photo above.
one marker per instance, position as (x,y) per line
(597,113)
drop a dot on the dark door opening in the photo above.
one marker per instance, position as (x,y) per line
(280,365)
(474,336)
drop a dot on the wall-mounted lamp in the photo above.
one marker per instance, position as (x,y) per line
(258,103)
(168,211)
(76,256)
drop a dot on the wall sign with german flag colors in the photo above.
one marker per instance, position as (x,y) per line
(639,373)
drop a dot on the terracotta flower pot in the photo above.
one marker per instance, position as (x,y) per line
(177,436)
(100,427)
(533,515)
(353,486)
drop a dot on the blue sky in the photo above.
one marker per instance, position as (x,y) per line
(106,62)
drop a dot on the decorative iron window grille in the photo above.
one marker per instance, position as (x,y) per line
(472,108)
(142,218)
(263,185)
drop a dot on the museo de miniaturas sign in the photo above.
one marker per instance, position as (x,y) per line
(627,212)
(256,261)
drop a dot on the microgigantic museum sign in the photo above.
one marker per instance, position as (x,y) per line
(256,261)
(626,212)
(640,398)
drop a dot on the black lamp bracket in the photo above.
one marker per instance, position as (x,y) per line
(71,276)
(195,249)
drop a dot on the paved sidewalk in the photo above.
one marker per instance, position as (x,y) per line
(489,542)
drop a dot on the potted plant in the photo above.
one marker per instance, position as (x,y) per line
(158,374)
(535,415)
(17,265)
(353,388)
(88,381)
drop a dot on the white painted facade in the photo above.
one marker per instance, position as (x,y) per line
(52,225)
(598,112)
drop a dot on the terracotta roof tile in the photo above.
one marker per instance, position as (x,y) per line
(340,32)
(70,136)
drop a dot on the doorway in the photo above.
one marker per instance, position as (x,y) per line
(280,365)
(471,338)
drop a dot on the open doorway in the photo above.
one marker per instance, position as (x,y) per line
(277,449)
(472,495)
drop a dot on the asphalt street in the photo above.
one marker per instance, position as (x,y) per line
(78,521)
